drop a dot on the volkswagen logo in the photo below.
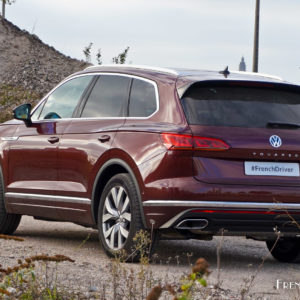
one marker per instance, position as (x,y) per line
(275,141)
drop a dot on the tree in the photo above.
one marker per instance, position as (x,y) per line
(121,58)
(4,2)
(99,57)
(87,52)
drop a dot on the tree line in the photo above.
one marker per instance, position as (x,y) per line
(119,59)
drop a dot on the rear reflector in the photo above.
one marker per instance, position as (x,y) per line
(174,141)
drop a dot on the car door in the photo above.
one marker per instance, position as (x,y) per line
(90,135)
(32,155)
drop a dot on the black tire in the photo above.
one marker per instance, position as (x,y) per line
(285,250)
(119,217)
(8,222)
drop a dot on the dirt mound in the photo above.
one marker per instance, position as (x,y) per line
(27,62)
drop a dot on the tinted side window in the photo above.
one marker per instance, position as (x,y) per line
(37,112)
(63,101)
(108,97)
(142,99)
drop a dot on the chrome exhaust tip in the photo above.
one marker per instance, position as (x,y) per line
(192,224)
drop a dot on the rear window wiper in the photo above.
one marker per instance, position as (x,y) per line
(282,125)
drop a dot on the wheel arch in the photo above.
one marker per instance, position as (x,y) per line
(107,171)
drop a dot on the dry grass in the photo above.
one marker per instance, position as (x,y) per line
(11,97)
(39,277)
(10,237)
(21,281)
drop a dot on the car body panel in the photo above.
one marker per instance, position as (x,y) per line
(33,157)
(79,152)
(246,144)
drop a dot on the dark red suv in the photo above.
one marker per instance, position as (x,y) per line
(187,153)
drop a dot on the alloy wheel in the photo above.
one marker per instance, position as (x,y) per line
(116,218)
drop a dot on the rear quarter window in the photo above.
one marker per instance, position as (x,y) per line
(143,98)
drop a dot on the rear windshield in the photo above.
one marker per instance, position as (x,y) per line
(240,106)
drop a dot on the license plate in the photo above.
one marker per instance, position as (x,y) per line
(271,168)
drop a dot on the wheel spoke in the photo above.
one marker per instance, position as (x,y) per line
(107,217)
(126,216)
(114,197)
(124,232)
(110,210)
(108,232)
(125,206)
(119,197)
(112,236)
(119,238)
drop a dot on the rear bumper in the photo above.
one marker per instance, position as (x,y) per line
(256,219)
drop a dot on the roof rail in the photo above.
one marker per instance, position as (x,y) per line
(142,67)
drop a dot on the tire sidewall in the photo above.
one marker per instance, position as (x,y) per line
(288,254)
(8,222)
(2,206)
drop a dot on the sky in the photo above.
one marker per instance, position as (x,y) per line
(202,34)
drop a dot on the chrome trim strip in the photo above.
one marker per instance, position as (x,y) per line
(142,67)
(9,138)
(219,204)
(173,220)
(48,198)
(45,206)
(179,226)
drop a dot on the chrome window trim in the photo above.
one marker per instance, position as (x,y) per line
(102,118)
(43,197)
(220,204)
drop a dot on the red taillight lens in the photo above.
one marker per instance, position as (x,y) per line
(174,141)
(177,141)
(204,143)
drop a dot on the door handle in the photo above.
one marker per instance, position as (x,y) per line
(104,138)
(53,139)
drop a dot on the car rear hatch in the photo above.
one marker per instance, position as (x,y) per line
(252,129)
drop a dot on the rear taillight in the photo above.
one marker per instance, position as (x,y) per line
(177,141)
(204,143)
(174,141)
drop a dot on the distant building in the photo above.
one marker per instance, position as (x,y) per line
(242,66)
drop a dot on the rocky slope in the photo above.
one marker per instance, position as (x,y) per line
(27,62)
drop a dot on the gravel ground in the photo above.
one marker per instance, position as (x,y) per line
(240,259)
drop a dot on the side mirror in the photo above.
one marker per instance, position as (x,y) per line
(22,113)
